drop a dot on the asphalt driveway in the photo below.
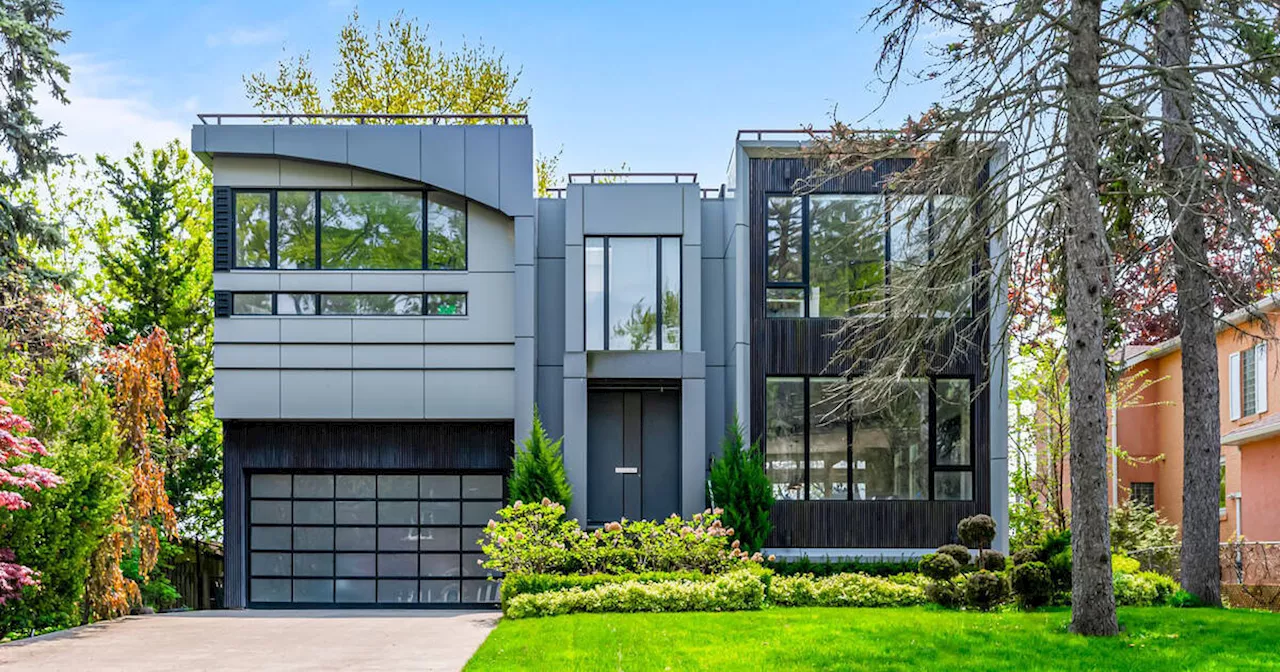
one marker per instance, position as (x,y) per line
(261,640)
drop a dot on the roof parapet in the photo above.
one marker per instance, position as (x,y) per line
(366,118)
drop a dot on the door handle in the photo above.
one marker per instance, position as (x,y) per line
(626,470)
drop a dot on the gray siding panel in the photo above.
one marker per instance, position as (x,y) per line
(484,158)
(444,158)
(393,150)
(320,143)
(551,312)
(516,173)
(551,399)
(551,213)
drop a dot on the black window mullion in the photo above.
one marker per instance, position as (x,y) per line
(804,260)
(272,253)
(605,327)
(657,241)
(426,233)
(932,418)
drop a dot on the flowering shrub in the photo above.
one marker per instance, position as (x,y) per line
(1143,589)
(535,538)
(848,590)
(739,590)
(18,473)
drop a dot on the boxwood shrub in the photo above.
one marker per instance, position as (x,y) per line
(738,590)
(532,584)
(1142,589)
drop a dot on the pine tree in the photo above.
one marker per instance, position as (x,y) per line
(538,469)
(740,487)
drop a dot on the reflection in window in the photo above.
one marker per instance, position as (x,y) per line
(953,423)
(623,278)
(784,302)
(296,304)
(251,304)
(446,304)
(670,294)
(446,231)
(371,230)
(253,229)
(866,451)
(296,229)
(891,446)
(846,254)
(784,229)
(594,308)
(784,436)
(828,442)
(371,304)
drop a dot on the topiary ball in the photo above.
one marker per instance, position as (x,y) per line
(992,561)
(977,531)
(1024,556)
(1031,584)
(985,590)
(939,566)
(960,553)
(945,594)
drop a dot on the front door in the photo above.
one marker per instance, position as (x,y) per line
(633,454)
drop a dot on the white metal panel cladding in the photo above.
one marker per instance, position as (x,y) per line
(370,538)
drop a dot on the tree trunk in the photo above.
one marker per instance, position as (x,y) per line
(1201,431)
(1093,608)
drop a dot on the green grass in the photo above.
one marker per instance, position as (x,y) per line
(882,639)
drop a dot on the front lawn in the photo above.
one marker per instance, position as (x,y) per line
(1158,638)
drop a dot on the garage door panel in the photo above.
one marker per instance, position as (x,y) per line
(350,539)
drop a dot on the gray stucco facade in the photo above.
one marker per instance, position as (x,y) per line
(325,399)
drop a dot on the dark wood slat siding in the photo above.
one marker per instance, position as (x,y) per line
(249,446)
(804,347)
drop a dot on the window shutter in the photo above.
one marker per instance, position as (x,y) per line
(1233,384)
(221,304)
(1260,352)
(222,226)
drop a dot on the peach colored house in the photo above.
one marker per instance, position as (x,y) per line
(1250,412)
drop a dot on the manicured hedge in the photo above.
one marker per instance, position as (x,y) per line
(533,584)
(821,568)
(847,590)
(1142,589)
(739,590)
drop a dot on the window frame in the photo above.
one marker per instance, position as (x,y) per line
(317,193)
(426,298)
(931,419)
(605,268)
(806,225)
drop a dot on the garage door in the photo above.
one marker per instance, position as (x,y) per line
(352,539)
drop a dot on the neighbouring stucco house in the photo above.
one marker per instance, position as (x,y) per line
(392,302)
(1151,430)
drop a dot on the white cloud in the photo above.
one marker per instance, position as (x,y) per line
(245,37)
(109,111)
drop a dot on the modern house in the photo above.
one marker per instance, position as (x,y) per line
(392,302)
(1151,431)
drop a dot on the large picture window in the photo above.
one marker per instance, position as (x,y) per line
(632,293)
(832,255)
(350,230)
(916,445)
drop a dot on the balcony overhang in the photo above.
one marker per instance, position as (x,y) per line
(1252,433)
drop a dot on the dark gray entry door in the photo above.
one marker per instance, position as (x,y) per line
(633,454)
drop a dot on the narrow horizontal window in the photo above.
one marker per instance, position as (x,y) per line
(251,304)
(296,304)
(371,304)
(446,304)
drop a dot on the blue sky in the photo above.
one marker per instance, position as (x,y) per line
(662,86)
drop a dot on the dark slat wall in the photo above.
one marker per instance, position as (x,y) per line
(222,225)
(345,446)
(804,347)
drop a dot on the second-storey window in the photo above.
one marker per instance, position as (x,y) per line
(350,230)
(1247,381)
(632,293)
(831,255)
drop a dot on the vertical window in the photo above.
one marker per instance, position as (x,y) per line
(1249,383)
(670,336)
(371,230)
(785,239)
(253,229)
(846,254)
(446,231)
(632,293)
(295,229)
(594,286)
(818,446)
(784,436)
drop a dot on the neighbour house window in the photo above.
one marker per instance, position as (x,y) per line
(1222,486)
(1247,381)
(1143,493)
(831,255)
(820,447)
(350,230)
(432,304)
(632,293)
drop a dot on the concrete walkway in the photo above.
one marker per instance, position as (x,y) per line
(261,640)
